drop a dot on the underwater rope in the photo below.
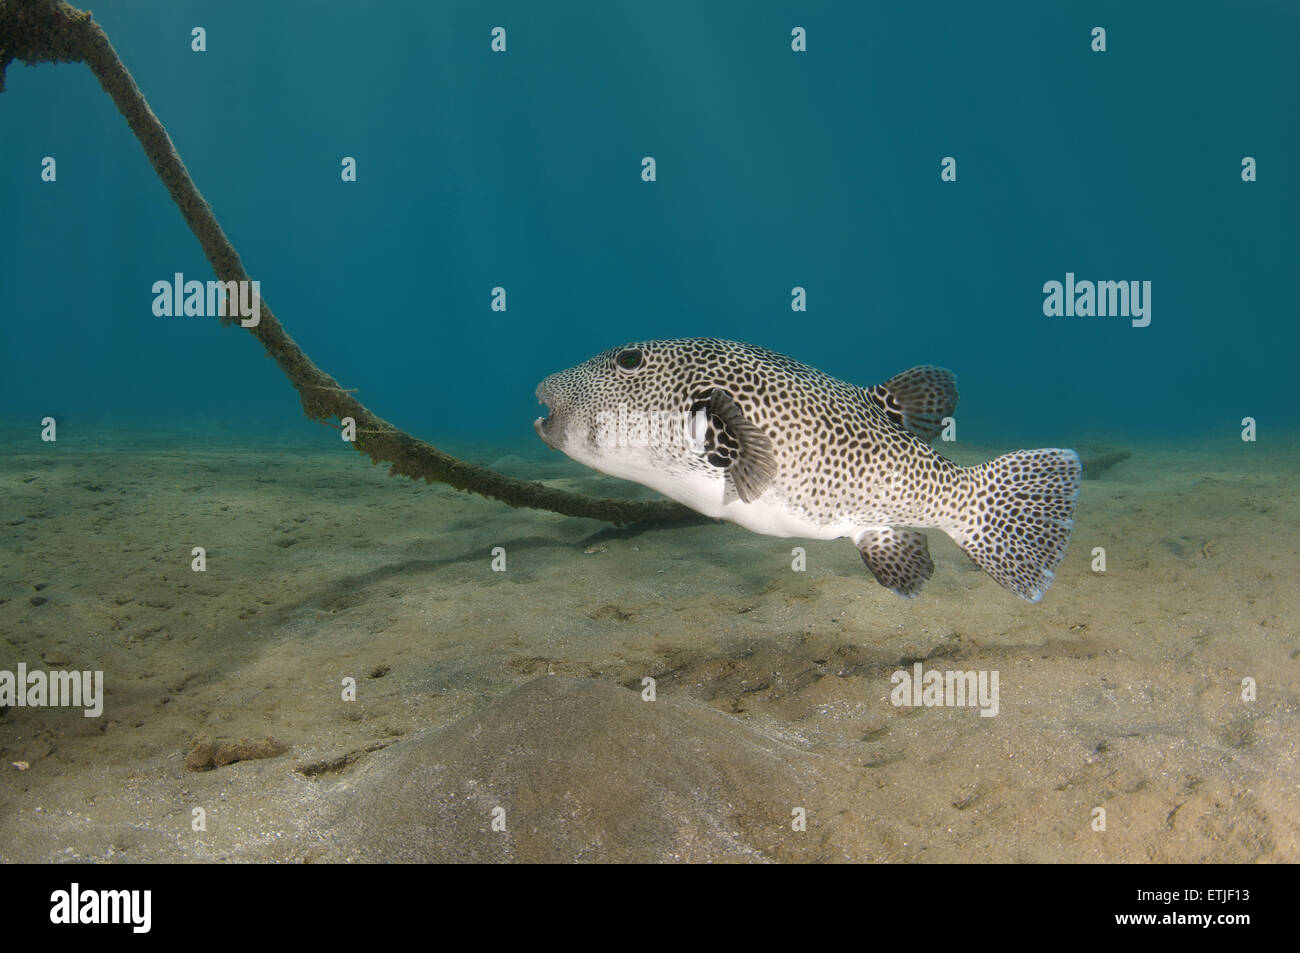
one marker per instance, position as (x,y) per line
(52,31)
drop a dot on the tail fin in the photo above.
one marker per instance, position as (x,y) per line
(1021,516)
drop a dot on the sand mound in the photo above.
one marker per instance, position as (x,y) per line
(583,771)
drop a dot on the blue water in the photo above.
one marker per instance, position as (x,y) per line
(775,169)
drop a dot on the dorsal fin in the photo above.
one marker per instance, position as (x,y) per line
(917,399)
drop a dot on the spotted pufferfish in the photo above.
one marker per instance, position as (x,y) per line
(741,433)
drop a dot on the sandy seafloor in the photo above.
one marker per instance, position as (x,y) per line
(520,690)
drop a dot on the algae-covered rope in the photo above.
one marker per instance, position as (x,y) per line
(51,31)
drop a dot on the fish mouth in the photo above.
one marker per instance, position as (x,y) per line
(543,425)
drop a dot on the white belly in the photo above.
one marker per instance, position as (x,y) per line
(704,494)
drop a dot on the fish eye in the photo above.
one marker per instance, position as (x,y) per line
(629,359)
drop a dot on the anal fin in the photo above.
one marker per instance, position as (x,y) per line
(898,558)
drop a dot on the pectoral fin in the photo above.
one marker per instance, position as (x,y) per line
(734,443)
(898,558)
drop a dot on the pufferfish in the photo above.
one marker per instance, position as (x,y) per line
(744,434)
